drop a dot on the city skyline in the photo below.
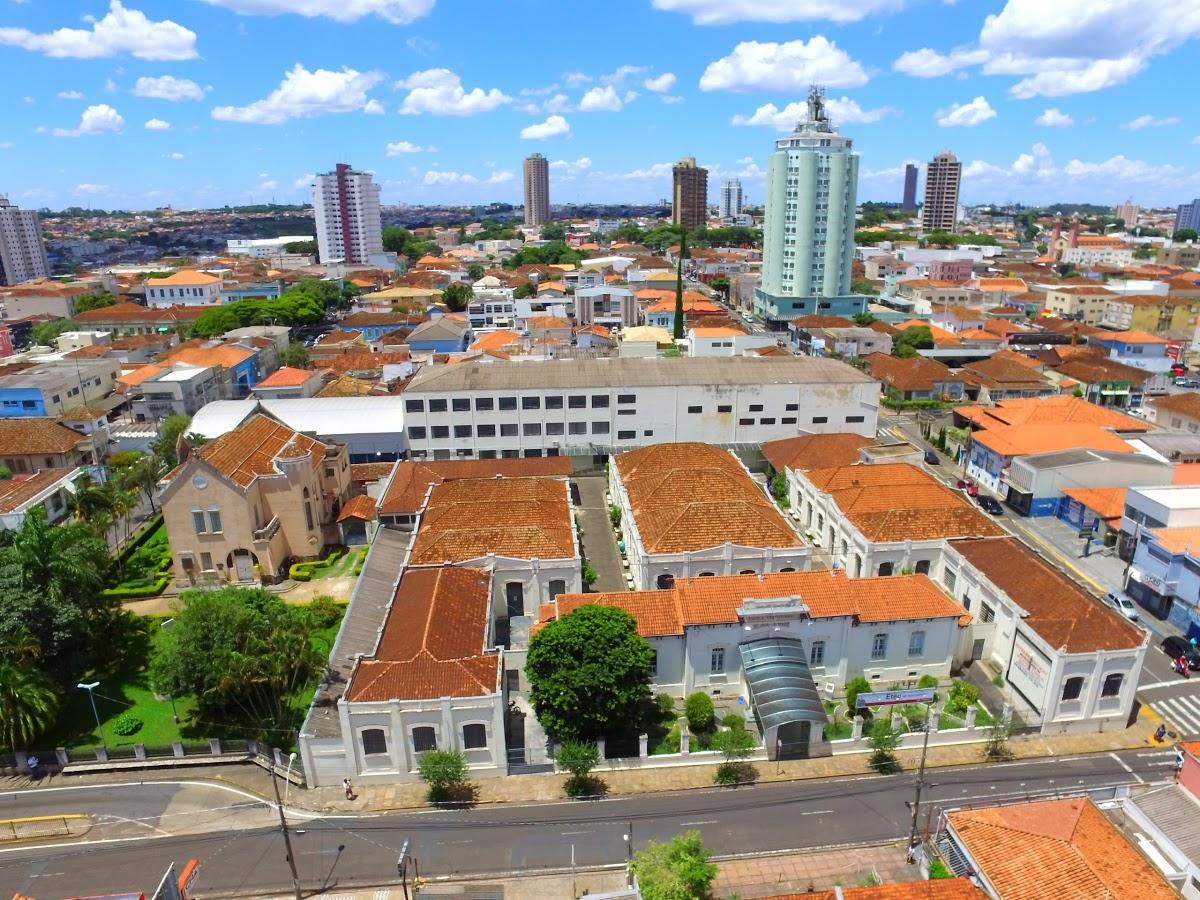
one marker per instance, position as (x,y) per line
(139,103)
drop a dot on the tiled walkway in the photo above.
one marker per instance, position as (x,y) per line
(766,876)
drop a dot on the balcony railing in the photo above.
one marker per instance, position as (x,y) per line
(264,535)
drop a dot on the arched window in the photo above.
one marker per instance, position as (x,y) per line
(787,569)
(474,736)
(885,568)
(922,567)
(374,740)
(1072,688)
(747,572)
(308,513)
(707,575)
(424,738)
(1112,685)
(666,581)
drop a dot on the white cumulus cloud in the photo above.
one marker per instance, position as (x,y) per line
(1149,121)
(399,148)
(570,168)
(661,83)
(374,108)
(554,126)
(168,87)
(721,12)
(121,31)
(397,12)
(87,188)
(790,66)
(842,110)
(1054,117)
(439,92)
(966,115)
(70,95)
(157,125)
(176,155)
(601,99)
(438,176)
(98,119)
(303,95)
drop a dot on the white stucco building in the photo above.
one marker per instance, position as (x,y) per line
(597,406)
(346,212)
(184,288)
(694,510)
(609,305)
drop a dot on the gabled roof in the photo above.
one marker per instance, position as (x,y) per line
(1127,337)
(250,450)
(1058,610)
(33,436)
(1049,411)
(890,502)
(405,493)
(18,490)
(807,322)
(1065,849)
(1019,440)
(433,642)
(359,506)
(286,377)
(913,374)
(814,451)
(442,328)
(716,600)
(184,277)
(692,496)
(226,356)
(516,517)
(1091,371)
(1107,503)
(1187,404)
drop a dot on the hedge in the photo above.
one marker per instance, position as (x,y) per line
(314,568)
(138,590)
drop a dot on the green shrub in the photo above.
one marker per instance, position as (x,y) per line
(929,681)
(444,773)
(962,695)
(672,740)
(126,724)
(137,590)
(854,687)
(325,612)
(589,574)
(728,773)
(733,720)
(614,515)
(665,704)
(700,713)
(938,869)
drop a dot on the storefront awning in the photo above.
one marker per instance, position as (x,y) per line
(781,686)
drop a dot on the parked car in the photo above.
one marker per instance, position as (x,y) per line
(1188,382)
(1123,605)
(932,458)
(990,505)
(1176,646)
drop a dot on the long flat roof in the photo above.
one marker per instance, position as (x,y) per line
(634,372)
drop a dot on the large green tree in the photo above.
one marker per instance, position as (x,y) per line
(97,300)
(44,334)
(242,652)
(456,296)
(28,704)
(552,231)
(910,340)
(166,445)
(296,355)
(679,869)
(589,673)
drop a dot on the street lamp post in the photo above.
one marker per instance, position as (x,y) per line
(91,688)
(287,838)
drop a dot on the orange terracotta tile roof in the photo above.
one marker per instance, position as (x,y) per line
(1019,440)
(496,340)
(1058,609)
(691,306)
(548,322)
(913,374)
(368,473)
(359,506)
(716,600)
(140,374)
(1065,849)
(1185,473)
(20,489)
(250,450)
(347,386)
(815,451)
(712,332)
(339,336)
(518,517)
(1128,337)
(1019,358)
(1003,327)
(1003,373)
(364,361)
(433,640)
(940,335)
(806,322)
(978,334)
(286,377)
(1186,404)
(890,502)
(1084,291)
(34,436)
(82,413)
(1107,503)
(1178,540)
(552,286)
(693,496)
(1091,371)
(1050,410)
(185,277)
(996,285)
(225,356)
(934,889)
(406,491)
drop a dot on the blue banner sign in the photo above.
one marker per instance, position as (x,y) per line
(895,698)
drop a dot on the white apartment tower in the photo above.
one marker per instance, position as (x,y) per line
(731,198)
(537,190)
(943,177)
(22,252)
(808,231)
(346,210)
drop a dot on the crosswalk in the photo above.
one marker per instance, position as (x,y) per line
(1182,712)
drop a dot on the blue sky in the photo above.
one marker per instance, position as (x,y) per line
(139,103)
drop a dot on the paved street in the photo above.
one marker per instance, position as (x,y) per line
(245,856)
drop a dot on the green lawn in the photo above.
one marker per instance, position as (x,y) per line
(146,565)
(125,687)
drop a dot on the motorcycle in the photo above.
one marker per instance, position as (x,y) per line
(1181,668)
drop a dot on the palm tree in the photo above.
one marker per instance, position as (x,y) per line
(58,561)
(28,705)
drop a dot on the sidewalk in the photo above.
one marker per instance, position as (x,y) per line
(796,873)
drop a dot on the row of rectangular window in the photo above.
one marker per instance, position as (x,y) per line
(507,429)
(485,404)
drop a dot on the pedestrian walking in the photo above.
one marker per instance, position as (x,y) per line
(35,772)
(347,788)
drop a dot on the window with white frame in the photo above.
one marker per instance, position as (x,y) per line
(214,520)
(916,643)
(717,661)
(879,646)
(198,521)
(424,738)
(374,741)
(1072,688)
(474,736)
(1112,685)
(653,663)
(816,653)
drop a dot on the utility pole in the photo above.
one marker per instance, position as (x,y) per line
(287,838)
(912,834)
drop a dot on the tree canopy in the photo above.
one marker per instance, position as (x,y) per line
(552,231)
(295,307)
(242,652)
(456,296)
(296,355)
(307,248)
(908,342)
(165,445)
(679,869)
(589,672)
(1184,234)
(552,253)
(401,241)
(44,334)
(97,300)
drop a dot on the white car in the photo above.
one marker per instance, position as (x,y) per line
(1123,605)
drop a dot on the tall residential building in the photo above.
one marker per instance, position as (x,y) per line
(808,232)
(1188,216)
(943,177)
(22,251)
(537,190)
(1127,212)
(910,188)
(689,195)
(731,198)
(346,210)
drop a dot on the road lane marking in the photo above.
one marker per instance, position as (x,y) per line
(704,822)
(569,833)
(817,812)
(1124,765)
(1157,684)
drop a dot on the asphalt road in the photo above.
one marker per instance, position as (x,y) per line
(239,856)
